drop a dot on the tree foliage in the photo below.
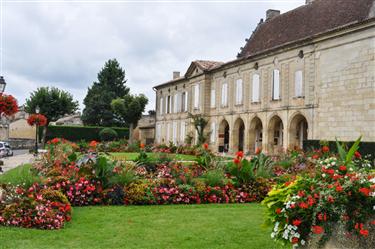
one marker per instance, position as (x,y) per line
(52,102)
(110,85)
(200,124)
(129,109)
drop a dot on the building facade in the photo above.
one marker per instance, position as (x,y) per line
(307,74)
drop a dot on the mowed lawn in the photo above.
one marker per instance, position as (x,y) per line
(175,226)
(131,156)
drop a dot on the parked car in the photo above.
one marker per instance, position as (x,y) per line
(5,149)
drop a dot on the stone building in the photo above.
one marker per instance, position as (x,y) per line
(145,130)
(307,74)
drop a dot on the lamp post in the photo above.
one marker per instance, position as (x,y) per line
(37,110)
(2,84)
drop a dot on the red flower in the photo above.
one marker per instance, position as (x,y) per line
(239,154)
(297,222)
(325,149)
(339,188)
(303,205)
(236,161)
(55,141)
(37,119)
(357,154)
(294,240)
(93,144)
(278,211)
(331,199)
(315,156)
(8,104)
(342,168)
(205,146)
(142,146)
(364,232)
(330,171)
(365,191)
(318,229)
(258,151)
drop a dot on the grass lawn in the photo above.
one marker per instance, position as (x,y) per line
(131,156)
(179,226)
(17,175)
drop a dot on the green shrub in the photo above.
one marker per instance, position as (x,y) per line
(215,178)
(78,133)
(108,134)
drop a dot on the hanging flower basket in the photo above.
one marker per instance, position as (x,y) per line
(8,105)
(37,119)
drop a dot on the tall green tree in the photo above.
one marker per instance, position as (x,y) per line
(110,85)
(52,102)
(129,110)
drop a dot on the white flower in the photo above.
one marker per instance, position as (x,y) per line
(273,235)
(323,175)
(303,242)
(350,169)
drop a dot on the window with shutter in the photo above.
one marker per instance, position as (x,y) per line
(174,139)
(186,102)
(255,88)
(239,92)
(182,132)
(298,78)
(168,99)
(175,108)
(161,106)
(196,97)
(213,132)
(276,85)
(213,98)
(224,95)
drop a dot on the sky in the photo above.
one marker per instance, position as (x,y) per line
(66,43)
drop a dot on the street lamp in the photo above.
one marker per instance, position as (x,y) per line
(37,110)
(2,84)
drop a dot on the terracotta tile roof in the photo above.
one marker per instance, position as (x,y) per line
(304,22)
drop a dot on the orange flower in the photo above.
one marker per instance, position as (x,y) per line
(278,210)
(142,145)
(357,154)
(205,146)
(325,149)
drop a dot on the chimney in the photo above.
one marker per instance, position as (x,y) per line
(272,13)
(176,75)
(309,1)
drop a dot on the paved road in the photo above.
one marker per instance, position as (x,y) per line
(19,158)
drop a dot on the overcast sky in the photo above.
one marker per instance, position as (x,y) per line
(66,43)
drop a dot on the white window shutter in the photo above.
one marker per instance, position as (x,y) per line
(166,104)
(276,84)
(224,95)
(168,133)
(255,88)
(186,101)
(161,106)
(174,128)
(175,103)
(213,98)
(182,132)
(298,83)
(239,91)
(196,97)
(213,132)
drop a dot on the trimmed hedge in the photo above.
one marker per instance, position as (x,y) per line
(78,133)
(365,148)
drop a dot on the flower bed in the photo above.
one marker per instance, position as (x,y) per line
(339,193)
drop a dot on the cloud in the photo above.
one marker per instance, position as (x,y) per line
(66,44)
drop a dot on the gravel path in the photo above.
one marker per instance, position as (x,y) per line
(14,161)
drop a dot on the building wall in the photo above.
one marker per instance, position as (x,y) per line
(21,129)
(338,95)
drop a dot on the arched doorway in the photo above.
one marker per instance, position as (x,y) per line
(275,134)
(298,131)
(224,136)
(239,135)
(256,134)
